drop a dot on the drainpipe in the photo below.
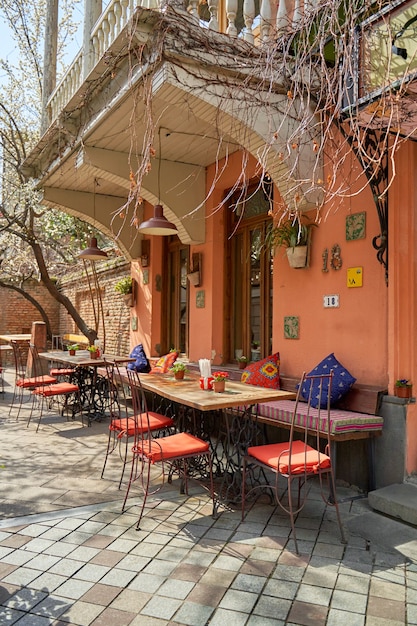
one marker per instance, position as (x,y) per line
(49,60)
(92,12)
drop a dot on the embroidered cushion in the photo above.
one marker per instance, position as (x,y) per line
(164,363)
(264,373)
(141,364)
(341,383)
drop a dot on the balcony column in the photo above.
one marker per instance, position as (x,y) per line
(92,12)
(49,60)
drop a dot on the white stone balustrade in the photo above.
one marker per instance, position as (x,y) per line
(272,22)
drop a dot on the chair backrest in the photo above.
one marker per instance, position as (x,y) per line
(20,356)
(313,394)
(36,367)
(118,399)
(140,407)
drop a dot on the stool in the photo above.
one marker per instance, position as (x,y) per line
(57,343)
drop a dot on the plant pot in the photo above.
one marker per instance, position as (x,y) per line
(128,299)
(297,257)
(93,355)
(71,352)
(242,365)
(219,385)
(179,375)
(403,392)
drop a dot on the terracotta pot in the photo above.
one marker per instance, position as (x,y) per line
(179,375)
(93,355)
(71,352)
(297,257)
(218,385)
(403,392)
(242,365)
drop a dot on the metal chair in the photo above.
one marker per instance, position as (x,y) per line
(46,393)
(123,422)
(297,460)
(175,452)
(23,378)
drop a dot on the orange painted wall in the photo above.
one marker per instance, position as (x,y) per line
(402,336)
(148,304)
(207,325)
(356,331)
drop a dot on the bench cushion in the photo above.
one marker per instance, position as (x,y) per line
(342,382)
(264,373)
(341,421)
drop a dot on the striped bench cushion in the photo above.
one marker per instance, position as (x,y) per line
(341,421)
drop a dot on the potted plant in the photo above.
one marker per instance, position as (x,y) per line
(94,352)
(242,360)
(72,349)
(219,380)
(124,286)
(403,388)
(294,235)
(179,370)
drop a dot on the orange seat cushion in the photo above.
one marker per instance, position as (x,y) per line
(56,390)
(36,381)
(127,426)
(65,371)
(303,458)
(174,446)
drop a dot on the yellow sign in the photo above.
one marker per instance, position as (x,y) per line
(354,276)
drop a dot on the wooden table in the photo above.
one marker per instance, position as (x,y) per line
(21,337)
(94,388)
(82,358)
(229,436)
(188,392)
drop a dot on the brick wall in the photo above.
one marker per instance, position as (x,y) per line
(116,312)
(17,314)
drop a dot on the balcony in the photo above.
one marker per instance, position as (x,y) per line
(252,21)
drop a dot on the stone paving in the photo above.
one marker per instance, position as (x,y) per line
(69,557)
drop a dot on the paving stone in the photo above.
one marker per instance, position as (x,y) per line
(163,609)
(193,614)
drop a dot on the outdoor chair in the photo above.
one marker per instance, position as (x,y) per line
(123,423)
(22,380)
(173,454)
(295,460)
(46,394)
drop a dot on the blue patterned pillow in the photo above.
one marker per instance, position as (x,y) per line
(341,383)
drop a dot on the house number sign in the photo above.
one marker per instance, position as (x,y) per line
(331,302)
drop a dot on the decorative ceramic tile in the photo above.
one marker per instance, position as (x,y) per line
(200,299)
(291,327)
(356,226)
(134,323)
(145,276)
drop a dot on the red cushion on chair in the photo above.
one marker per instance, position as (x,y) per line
(56,390)
(64,371)
(164,363)
(303,457)
(128,426)
(179,445)
(36,381)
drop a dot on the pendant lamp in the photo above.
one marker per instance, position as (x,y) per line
(158,224)
(92,252)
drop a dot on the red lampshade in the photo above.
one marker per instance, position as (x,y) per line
(92,253)
(158,224)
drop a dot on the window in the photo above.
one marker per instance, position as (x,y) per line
(250,278)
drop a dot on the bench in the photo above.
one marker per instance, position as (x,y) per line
(354,417)
(70,339)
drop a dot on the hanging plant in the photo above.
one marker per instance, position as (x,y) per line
(124,285)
